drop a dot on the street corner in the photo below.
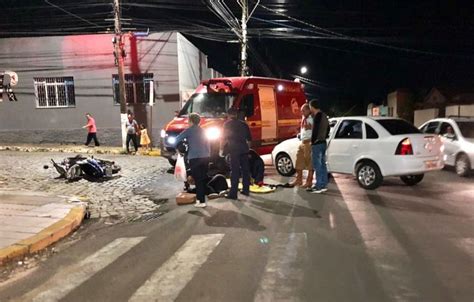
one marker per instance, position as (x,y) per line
(32,221)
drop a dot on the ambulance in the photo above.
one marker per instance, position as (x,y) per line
(271,108)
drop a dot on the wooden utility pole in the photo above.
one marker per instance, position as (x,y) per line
(119,61)
(243,44)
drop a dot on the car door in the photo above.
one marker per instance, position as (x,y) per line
(450,141)
(345,146)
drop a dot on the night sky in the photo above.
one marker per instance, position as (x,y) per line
(356,51)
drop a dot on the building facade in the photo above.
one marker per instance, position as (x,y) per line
(63,78)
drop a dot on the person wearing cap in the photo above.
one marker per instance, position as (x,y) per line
(236,138)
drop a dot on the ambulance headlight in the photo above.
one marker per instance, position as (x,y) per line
(213,133)
(163,133)
(171,140)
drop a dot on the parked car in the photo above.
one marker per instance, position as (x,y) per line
(457,134)
(372,148)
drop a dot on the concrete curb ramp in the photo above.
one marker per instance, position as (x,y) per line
(46,237)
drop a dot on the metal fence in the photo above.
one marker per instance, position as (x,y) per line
(55,92)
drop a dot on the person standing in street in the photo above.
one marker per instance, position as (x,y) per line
(319,136)
(91,130)
(132,129)
(303,156)
(235,142)
(198,156)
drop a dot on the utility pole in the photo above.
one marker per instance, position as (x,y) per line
(243,54)
(119,61)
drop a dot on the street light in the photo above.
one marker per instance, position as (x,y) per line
(303,70)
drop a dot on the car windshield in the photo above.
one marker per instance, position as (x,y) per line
(208,104)
(396,126)
(467,129)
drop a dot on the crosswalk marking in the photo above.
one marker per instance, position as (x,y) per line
(63,282)
(391,261)
(284,272)
(167,282)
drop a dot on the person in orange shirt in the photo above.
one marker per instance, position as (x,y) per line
(91,130)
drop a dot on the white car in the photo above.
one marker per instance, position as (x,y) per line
(372,148)
(457,134)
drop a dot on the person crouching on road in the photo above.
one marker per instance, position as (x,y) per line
(318,144)
(198,156)
(257,167)
(235,142)
(303,156)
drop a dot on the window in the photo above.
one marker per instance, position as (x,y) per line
(446,128)
(431,127)
(467,128)
(350,129)
(247,105)
(397,126)
(137,88)
(54,92)
(370,132)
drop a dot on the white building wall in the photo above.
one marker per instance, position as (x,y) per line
(425,115)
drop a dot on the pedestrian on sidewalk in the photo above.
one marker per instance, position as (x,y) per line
(132,129)
(235,142)
(144,138)
(198,156)
(91,130)
(319,136)
(303,156)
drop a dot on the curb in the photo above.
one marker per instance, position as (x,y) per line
(46,237)
(116,151)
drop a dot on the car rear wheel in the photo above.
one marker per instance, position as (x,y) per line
(284,165)
(462,165)
(368,175)
(411,180)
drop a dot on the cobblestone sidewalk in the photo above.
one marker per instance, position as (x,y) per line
(141,188)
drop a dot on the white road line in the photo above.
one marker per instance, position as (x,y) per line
(284,272)
(67,279)
(391,262)
(167,281)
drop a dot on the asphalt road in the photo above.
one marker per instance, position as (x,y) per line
(397,243)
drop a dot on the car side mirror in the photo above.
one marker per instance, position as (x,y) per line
(176,113)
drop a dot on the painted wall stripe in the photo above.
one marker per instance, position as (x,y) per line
(284,272)
(167,282)
(67,279)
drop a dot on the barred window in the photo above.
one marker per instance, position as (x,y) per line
(55,92)
(137,88)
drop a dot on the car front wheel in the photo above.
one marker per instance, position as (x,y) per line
(411,180)
(368,175)
(284,165)
(462,165)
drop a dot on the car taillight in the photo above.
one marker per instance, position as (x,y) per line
(404,147)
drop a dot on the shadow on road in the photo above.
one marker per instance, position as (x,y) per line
(406,205)
(228,219)
(283,208)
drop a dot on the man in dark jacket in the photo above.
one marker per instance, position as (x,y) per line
(235,142)
(318,147)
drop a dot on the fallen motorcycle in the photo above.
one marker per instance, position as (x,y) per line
(77,167)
